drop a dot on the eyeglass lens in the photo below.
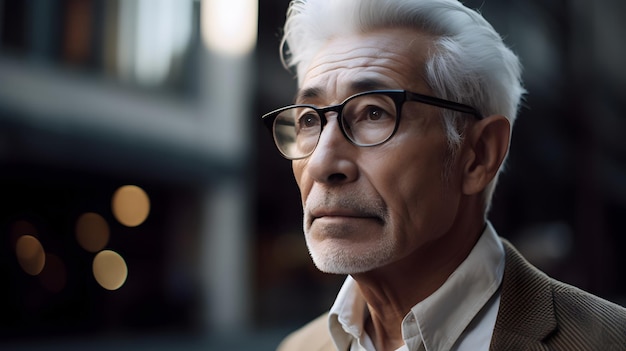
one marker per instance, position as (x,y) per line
(366,120)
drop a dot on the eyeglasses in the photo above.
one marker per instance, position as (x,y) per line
(365,119)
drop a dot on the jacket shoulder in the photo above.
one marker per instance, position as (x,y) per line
(583,315)
(314,336)
(536,309)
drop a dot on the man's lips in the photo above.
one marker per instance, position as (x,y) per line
(342,213)
(346,206)
(336,213)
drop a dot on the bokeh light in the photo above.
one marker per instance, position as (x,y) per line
(110,270)
(21,227)
(54,275)
(30,254)
(130,205)
(92,232)
(230,26)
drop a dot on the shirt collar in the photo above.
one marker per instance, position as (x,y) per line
(440,319)
(347,315)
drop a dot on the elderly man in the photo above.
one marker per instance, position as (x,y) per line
(400,127)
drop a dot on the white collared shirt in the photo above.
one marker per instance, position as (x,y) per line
(458,316)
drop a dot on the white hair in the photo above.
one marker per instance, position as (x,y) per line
(470,63)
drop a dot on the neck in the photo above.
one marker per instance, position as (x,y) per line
(391,291)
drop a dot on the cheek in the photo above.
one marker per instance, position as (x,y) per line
(410,194)
(296,167)
(413,188)
(300,176)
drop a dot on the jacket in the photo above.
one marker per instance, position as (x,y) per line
(536,313)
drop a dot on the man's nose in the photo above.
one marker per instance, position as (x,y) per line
(333,160)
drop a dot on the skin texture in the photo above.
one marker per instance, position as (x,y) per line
(385,214)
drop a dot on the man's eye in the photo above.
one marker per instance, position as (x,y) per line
(309,120)
(375,113)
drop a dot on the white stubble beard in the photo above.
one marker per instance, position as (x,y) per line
(331,257)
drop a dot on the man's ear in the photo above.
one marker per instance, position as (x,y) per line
(487,145)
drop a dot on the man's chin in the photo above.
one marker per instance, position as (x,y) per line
(331,268)
(338,263)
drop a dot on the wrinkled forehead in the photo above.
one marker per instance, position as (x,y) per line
(381,59)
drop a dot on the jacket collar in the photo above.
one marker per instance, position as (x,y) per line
(526,315)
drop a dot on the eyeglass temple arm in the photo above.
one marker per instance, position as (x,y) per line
(451,105)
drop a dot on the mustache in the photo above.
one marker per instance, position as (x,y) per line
(359,204)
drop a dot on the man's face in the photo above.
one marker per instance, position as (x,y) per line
(367,207)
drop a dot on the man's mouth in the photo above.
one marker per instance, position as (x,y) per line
(345,214)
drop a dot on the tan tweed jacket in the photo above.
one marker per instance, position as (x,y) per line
(536,313)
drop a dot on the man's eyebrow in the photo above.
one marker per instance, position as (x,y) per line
(367,85)
(308,94)
(355,87)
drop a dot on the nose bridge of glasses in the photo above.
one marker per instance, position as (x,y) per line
(331,114)
(324,111)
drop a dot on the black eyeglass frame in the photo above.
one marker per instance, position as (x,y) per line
(399,97)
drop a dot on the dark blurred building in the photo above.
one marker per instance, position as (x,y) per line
(96,95)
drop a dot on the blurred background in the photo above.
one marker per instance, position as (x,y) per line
(143,205)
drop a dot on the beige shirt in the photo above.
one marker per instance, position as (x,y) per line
(459,316)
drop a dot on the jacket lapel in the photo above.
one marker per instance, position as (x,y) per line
(526,314)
